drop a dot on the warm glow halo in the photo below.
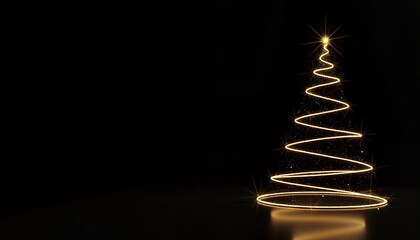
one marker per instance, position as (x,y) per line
(263,199)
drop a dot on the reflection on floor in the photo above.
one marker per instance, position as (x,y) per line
(205,213)
(308,225)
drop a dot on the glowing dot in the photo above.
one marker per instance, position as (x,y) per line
(325,40)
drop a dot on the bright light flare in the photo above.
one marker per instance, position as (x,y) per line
(325,40)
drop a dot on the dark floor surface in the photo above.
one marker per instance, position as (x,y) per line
(205,213)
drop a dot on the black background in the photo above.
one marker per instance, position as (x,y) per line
(169,98)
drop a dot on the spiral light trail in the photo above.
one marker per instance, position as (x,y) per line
(339,134)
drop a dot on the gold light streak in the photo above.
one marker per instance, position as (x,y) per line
(338,134)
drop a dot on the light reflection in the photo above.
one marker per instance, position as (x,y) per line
(306,225)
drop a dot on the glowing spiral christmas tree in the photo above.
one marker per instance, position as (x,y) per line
(369,200)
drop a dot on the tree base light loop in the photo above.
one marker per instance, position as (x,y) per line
(377,201)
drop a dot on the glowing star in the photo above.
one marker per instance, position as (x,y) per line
(372,200)
(325,40)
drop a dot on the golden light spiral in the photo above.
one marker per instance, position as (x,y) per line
(374,201)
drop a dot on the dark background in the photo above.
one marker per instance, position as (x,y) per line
(155,105)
